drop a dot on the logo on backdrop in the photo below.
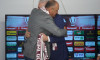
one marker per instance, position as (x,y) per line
(26,20)
(72,21)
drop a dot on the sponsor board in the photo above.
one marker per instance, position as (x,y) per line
(90,49)
(87,28)
(78,37)
(11,38)
(90,32)
(90,37)
(90,55)
(78,32)
(78,43)
(69,43)
(98,37)
(78,49)
(11,28)
(11,55)
(17,21)
(69,38)
(11,32)
(20,55)
(98,32)
(16,28)
(20,38)
(90,43)
(70,49)
(21,32)
(23,28)
(11,49)
(72,28)
(80,55)
(69,32)
(19,49)
(11,43)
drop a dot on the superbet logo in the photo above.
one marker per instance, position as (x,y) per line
(78,43)
(69,43)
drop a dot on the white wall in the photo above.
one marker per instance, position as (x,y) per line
(11,7)
(82,6)
(25,7)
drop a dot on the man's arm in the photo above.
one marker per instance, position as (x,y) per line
(60,23)
(28,34)
(55,39)
(50,26)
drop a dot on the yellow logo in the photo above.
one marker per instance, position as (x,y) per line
(11,32)
(98,32)
(78,43)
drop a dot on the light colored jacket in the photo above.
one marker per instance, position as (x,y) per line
(40,22)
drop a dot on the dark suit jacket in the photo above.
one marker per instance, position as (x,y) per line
(62,52)
(40,22)
(98,50)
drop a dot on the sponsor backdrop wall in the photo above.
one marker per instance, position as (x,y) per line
(25,7)
(82,41)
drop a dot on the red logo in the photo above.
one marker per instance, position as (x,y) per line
(79,49)
(69,43)
(72,28)
(90,49)
(20,55)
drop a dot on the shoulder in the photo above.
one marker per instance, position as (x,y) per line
(58,16)
(35,10)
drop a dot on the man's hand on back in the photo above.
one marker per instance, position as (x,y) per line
(27,34)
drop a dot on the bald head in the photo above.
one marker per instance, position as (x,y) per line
(52,7)
(42,3)
(50,4)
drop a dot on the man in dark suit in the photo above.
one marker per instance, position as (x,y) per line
(59,49)
(41,21)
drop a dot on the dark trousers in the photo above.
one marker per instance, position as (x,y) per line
(26,58)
